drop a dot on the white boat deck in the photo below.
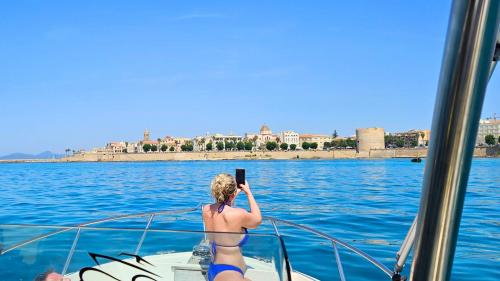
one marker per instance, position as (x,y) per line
(176,267)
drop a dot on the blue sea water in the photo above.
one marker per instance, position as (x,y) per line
(367,203)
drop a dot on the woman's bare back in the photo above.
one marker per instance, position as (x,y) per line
(226,238)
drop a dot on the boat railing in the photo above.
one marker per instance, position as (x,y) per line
(335,242)
(62,229)
(150,216)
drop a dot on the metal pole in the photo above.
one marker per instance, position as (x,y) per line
(464,76)
(339,263)
(496,56)
(407,245)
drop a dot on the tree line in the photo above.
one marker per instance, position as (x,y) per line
(249,145)
(153,147)
(491,140)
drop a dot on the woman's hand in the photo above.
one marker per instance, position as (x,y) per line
(245,187)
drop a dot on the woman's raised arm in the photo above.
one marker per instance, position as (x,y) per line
(253,218)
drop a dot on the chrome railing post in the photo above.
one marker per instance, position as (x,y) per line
(339,263)
(288,266)
(469,49)
(143,236)
(71,252)
(275,227)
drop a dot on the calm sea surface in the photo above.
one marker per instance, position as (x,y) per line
(368,203)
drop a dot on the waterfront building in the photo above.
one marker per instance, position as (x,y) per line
(180,141)
(289,137)
(488,126)
(175,142)
(310,138)
(98,150)
(369,138)
(150,142)
(265,135)
(253,138)
(116,147)
(131,147)
(168,141)
(223,138)
(424,137)
(146,140)
(214,139)
(412,138)
(200,143)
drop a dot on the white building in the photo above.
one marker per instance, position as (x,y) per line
(116,147)
(488,126)
(319,139)
(289,137)
(200,142)
(132,147)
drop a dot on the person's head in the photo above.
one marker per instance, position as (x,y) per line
(224,188)
(50,276)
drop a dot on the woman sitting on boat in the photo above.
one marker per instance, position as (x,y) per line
(221,217)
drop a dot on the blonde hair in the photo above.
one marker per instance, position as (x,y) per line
(223,186)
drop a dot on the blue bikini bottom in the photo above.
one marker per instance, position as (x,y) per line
(214,269)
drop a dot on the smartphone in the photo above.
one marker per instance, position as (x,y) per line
(240,177)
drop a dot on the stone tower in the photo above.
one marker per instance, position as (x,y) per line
(370,138)
(146,135)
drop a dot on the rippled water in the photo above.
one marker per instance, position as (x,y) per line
(369,203)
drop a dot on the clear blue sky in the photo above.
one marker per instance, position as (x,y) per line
(79,74)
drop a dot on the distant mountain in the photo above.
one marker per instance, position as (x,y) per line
(21,156)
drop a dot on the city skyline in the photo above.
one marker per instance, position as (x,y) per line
(265,139)
(154,137)
(81,74)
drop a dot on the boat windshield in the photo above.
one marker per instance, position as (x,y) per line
(106,253)
(149,246)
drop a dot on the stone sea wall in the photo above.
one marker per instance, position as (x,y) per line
(243,155)
(230,155)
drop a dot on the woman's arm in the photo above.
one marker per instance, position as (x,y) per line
(253,218)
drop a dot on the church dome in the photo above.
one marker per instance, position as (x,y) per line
(264,130)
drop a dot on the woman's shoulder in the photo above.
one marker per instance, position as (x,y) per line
(207,209)
(233,211)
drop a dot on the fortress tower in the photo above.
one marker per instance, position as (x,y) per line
(370,138)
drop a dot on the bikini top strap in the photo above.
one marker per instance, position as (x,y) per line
(221,207)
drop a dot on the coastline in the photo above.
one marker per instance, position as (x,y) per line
(483,152)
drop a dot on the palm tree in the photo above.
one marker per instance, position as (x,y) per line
(201,144)
(422,135)
(254,140)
